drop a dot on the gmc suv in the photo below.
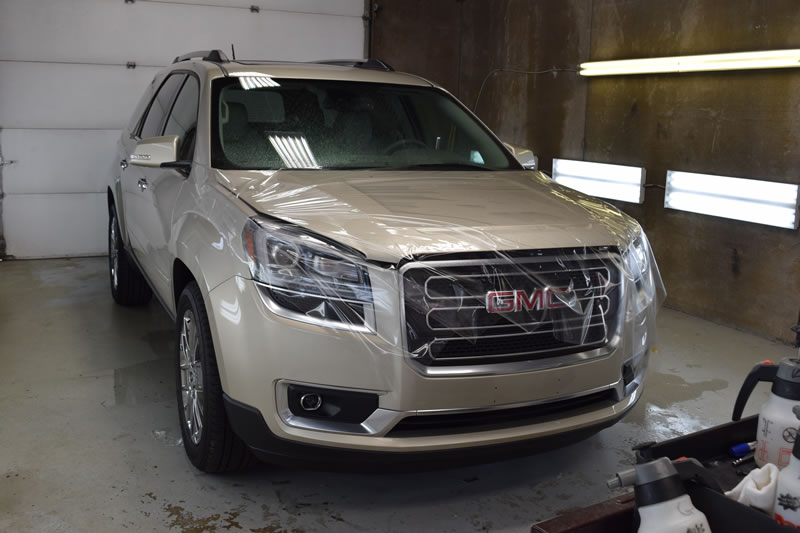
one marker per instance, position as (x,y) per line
(356,265)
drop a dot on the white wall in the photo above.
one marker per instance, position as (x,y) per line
(65,93)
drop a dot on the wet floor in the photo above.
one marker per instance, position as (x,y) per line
(89,439)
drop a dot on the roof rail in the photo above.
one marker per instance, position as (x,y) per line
(371,64)
(216,56)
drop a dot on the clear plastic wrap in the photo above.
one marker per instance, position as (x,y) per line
(468,292)
(392,257)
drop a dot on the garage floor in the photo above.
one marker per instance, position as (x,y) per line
(89,435)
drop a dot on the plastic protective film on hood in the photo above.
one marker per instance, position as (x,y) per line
(454,269)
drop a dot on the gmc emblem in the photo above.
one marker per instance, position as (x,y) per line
(516,300)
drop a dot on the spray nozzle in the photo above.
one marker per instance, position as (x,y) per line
(663,468)
(626,478)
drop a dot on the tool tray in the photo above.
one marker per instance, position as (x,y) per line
(710,447)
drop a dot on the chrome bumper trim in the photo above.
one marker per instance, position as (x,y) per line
(381,421)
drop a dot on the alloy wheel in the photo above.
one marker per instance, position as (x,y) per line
(114,252)
(191,371)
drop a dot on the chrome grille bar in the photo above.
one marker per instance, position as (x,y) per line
(451,329)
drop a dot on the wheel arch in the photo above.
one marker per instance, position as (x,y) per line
(204,253)
(114,201)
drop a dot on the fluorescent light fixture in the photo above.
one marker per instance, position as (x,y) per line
(616,182)
(256,81)
(762,202)
(294,151)
(699,63)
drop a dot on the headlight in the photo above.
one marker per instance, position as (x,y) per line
(637,267)
(307,279)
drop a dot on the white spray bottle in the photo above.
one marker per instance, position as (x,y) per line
(661,499)
(777,425)
(787,494)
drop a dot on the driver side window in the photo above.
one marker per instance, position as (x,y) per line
(182,120)
(154,120)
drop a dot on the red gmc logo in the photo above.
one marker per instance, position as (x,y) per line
(511,301)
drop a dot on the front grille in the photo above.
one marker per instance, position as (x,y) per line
(570,303)
(425,425)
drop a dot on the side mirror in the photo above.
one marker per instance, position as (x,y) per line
(154,151)
(525,157)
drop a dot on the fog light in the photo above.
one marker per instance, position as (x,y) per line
(333,405)
(311,401)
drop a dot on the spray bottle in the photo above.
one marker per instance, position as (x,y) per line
(661,499)
(777,425)
(787,495)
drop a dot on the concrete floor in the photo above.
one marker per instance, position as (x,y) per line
(89,434)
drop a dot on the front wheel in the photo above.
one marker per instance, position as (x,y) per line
(208,439)
(128,286)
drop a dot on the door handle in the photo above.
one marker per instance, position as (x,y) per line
(123,164)
(142,184)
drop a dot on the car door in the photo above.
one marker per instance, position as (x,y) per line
(132,179)
(137,191)
(163,186)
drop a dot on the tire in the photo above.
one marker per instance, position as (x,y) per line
(128,286)
(211,444)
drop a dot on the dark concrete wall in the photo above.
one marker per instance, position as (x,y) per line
(744,124)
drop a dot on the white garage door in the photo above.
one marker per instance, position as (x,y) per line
(65,92)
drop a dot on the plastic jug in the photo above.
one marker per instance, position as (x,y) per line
(777,425)
(662,502)
(787,495)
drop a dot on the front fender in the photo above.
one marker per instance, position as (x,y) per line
(208,241)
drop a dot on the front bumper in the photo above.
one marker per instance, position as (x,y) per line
(249,424)
(259,353)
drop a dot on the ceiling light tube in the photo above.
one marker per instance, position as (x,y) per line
(757,201)
(616,182)
(294,151)
(696,63)
(256,82)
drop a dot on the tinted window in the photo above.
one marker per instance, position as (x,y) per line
(160,106)
(137,117)
(267,123)
(182,120)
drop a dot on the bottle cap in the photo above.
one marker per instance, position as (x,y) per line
(787,380)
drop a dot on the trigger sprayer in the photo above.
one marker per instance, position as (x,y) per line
(787,495)
(777,425)
(661,499)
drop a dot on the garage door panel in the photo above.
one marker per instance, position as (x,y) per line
(36,95)
(65,92)
(55,225)
(59,161)
(154,33)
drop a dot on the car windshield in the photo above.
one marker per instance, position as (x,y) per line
(261,123)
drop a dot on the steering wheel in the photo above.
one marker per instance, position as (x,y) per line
(392,148)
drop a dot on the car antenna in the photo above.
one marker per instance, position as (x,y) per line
(233,53)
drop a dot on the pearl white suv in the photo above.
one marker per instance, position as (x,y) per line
(359,270)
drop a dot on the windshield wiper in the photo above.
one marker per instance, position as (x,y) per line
(442,166)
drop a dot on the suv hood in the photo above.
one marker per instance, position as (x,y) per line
(390,215)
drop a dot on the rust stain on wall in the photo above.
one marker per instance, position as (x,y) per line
(742,124)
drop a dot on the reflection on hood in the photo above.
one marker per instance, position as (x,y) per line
(389,215)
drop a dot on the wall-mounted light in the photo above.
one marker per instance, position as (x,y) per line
(699,63)
(616,182)
(762,202)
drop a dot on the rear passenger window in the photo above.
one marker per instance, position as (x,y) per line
(160,105)
(182,119)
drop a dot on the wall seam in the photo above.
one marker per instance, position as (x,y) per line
(252,8)
(130,66)
(586,94)
(2,196)
(52,193)
(460,46)
(60,128)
